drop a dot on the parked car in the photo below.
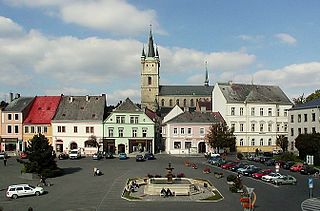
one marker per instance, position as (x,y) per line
(212,160)
(74,154)
(271,177)
(296,167)
(270,162)
(251,171)
(309,170)
(15,191)
(23,155)
(97,156)
(239,165)
(287,165)
(149,156)
(63,156)
(229,164)
(139,158)
(285,180)
(122,156)
(109,155)
(3,155)
(261,173)
(241,170)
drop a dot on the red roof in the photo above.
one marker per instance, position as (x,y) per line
(43,110)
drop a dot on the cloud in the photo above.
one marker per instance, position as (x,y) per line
(9,28)
(118,95)
(252,38)
(286,38)
(115,16)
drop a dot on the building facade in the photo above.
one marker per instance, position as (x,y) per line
(303,119)
(155,96)
(185,133)
(78,119)
(257,113)
(129,129)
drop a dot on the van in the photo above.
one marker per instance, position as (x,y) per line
(74,154)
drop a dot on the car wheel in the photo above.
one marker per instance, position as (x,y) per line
(37,193)
(14,196)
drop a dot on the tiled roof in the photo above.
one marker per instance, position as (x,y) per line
(206,104)
(251,93)
(81,108)
(127,106)
(186,90)
(311,104)
(42,110)
(18,104)
(196,117)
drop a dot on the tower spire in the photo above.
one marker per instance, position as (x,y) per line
(151,52)
(206,81)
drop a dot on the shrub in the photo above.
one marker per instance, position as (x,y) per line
(240,155)
(157,176)
(150,176)
(231,178)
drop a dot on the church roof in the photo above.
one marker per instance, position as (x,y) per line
(251,93)
(196,117)
(185,90)
(311,104)
(127,106)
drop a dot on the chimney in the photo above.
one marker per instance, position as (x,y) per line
(87,98)
(70,99)
(11,97)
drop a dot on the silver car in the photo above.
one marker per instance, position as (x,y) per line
(285,180)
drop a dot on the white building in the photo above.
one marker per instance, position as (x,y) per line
(258,113)
(77,119)
(303,118)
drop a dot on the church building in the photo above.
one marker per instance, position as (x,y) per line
(155,96)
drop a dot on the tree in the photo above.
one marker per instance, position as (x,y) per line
(313,96)
(282,142)
(92,142)
(41,157)
(299,100)
(220,136)
(308,144)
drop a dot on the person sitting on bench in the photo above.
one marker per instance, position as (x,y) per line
(163,192)
(169,193)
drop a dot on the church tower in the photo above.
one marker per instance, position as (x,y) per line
(150,75)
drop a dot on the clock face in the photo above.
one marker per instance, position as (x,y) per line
(149,67)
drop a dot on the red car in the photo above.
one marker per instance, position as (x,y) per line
(229,165)
(23,155)
(296,167)
(261,173)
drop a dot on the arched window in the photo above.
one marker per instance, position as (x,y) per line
(162,102)
(241,142)
(170,102)
(252,142)
(177,102)
(149,80)
(191,103)
(184,103)
(261,142)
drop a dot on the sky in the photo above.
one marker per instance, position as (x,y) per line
(90,47)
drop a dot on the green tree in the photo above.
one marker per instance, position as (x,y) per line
(314,95)
(220,136)
(282,142)
(299,100)
(308,144)
(92,142)
(41,157)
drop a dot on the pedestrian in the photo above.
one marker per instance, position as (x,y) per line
(5,161)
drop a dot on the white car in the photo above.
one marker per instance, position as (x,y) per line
(15,191)
(271,177)
(74,154)
(241,170)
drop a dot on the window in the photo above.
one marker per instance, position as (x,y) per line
(177,145)
(233,111)
(252,112)
(170,102)
(241,142)
(16,116)
(285,113)
(144,132)
(191,103)
(189,130)
(202,131)
(241,111)
(175,131)
(305,130)
(134,132)
(270,111)
(269,142)
(269,127)
(278,127)
(38,129)
(16,129)
(305,117)
(110,130)
(278,111)
(32,129)
(233,126)
(45,129)
(313,115)
(87,129)
(149,80)
(313,130)
(136,120)
(252,127)
(26,129)
(299,131)
(131,120)
(120,131)
(117,119)
(252,142)
(261,142)
(75,129)
(9,129)
(9,116)
(182,130)
(241,127)
(285,127)
(261,111)
(122,119)
(292,132)
(299,117)
(292,118)
(184,103)
(261,127)
(61,129)
(162,102)
(178,102)
(187,145)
